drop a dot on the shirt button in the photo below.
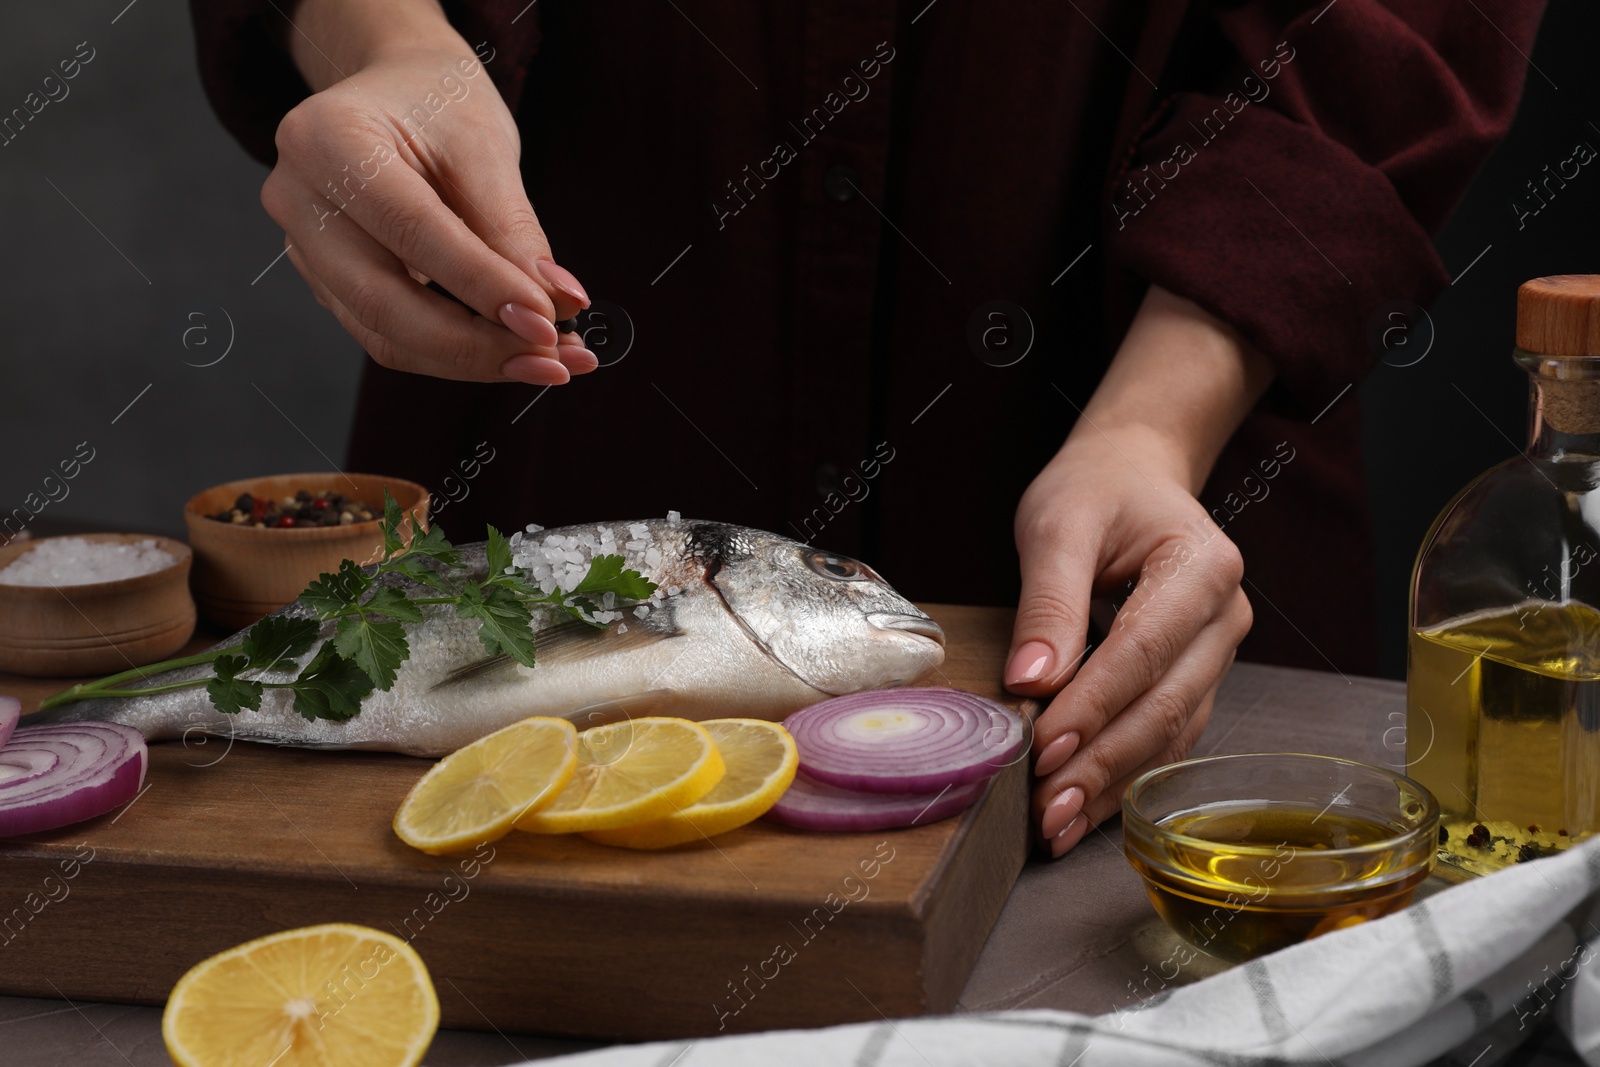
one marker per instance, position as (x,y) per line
(840,181)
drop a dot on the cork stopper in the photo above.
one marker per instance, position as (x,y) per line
(1558,323)
(1560,315)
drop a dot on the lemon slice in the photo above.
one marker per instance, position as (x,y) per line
(474,794)
(633,771)
(761,761)
(320,996)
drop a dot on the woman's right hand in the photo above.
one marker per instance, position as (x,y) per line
(406,171)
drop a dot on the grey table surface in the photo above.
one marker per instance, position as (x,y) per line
(1076,934)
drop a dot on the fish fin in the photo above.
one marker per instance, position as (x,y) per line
(603,712)
(573,639)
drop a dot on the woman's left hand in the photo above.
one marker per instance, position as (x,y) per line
(1104,512)
(1117,505)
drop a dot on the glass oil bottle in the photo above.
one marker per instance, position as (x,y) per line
(1503,678)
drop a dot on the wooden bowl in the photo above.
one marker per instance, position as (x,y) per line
(98,627)
(244,572)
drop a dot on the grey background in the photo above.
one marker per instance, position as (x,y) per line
(128,217)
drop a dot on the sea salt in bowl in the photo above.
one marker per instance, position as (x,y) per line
(244,572)
(93,604)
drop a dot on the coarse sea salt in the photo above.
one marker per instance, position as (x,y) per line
(77,561)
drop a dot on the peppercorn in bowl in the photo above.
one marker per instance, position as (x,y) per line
(258,542)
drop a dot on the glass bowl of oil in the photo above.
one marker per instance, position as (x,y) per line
(1243,855)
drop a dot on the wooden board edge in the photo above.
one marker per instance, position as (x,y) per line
(987,853)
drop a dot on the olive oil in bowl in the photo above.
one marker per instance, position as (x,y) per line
(1321,844)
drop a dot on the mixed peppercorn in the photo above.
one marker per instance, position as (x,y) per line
(324,508)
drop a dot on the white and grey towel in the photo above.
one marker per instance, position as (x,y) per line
(1464,972)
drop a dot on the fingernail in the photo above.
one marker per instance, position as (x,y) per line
(1069,837)
(535,370)
(1060,812)
(528,324)
(562,279)
(1056,753)
(1028,663)
(576,359)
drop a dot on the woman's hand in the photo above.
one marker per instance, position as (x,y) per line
(404,168)
(1117,504)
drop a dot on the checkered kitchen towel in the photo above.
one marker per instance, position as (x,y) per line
(1463,973)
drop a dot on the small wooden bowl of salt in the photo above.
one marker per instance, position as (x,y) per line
(93,604)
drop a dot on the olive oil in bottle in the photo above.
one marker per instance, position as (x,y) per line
(1261,878)
(1504,726)
(1503,684)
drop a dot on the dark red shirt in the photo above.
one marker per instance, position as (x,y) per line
(874,258)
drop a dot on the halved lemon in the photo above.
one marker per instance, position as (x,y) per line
(321,996)
(633,771)
(761,761)
(476,793)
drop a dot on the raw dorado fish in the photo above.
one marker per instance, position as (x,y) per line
(745,623)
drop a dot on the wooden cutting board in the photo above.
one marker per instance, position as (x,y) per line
(766,928)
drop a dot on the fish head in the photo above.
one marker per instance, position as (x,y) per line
(832,621)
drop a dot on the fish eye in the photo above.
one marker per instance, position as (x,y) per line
(841,567)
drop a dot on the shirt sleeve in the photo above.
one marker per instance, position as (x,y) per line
(1293,189)
(252,83)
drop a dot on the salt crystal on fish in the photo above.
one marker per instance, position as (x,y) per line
(674,590)
(673,516)
(516,539)
(609,601)
(641,611)
(638,529)
(636,546)
(652,557)
(534,527)
(622,628)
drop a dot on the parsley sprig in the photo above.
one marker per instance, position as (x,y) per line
(369,642)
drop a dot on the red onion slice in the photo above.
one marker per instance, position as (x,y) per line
(812,805)
(914,740)
(66,773)
(10,714)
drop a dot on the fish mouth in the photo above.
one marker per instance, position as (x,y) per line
(920,625)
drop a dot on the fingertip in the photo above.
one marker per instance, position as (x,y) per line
(565,282)
(535,370)
(576,359)
(1068,838)
(529,325)
(1029,664)
(1056,753)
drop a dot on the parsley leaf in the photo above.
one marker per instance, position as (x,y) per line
(378,648)
(334,594)
(276,638)
(393,603)
(498,557)
(229,693)
(434,545)
(507,623)
(392,521)
(607,576)
(418,571)
(498,553)
(331,687)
